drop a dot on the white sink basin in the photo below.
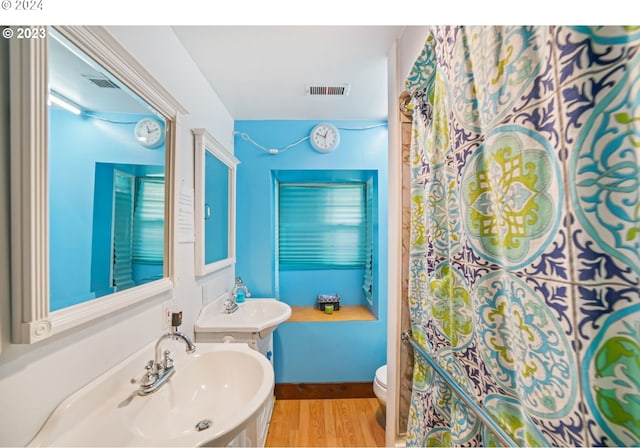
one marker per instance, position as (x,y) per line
(225,384)
(260,316)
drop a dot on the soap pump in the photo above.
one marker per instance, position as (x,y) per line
(240,291)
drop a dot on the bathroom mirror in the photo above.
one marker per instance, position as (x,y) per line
(215,180)
(92,137)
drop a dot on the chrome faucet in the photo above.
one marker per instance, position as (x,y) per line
(160,370)
(230,305)
(176,336)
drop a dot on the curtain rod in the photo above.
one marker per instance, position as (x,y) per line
(504,438)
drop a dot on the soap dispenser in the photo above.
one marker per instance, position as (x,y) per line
(240,291)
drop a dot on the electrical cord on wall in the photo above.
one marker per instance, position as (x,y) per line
(246,137)
(274,151)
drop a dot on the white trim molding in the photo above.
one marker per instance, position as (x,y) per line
(29,180)
(204,142)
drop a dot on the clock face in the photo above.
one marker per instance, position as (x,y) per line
(149,132)
(324,137)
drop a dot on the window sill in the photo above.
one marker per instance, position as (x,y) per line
(345,313)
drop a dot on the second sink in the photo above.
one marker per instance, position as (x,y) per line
(257,315)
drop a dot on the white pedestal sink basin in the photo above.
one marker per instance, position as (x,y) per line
(260,316)
(220,387)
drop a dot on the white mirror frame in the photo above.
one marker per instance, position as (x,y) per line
(32,319)
(204,142)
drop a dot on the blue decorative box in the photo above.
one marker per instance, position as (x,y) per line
(328,299)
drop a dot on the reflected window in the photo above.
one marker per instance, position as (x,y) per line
(121,244)
(148,223)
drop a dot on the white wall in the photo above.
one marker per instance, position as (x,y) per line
(35,378)
(410,46)
(401,59)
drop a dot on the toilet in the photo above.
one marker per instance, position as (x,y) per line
(380,389)
(380,384)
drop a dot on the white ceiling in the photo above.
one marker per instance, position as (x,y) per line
(73,76)
(260,72)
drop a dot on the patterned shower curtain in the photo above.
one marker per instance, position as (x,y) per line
(524,280)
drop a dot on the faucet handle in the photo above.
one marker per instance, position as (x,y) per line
(230,305)
(149,377)
(168,362)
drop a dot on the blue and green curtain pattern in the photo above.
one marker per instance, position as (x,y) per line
(524,280)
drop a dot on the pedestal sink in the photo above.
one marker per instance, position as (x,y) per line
(252,323)
(212,395)
(260,316)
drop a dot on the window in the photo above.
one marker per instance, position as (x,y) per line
(122,275)
(322,226)
(138,222)
(148,221)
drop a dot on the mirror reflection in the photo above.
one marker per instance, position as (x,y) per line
(216,213)
(107,163)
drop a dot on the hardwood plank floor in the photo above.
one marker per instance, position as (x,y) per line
(350,422)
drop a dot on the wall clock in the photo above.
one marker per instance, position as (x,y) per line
(324,137)
(149,132)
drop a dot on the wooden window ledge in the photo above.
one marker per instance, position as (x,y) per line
(345,313)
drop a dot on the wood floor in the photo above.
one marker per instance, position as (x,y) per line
(352,422)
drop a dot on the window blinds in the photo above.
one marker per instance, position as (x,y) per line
(322,226)
(367,286)
(148,224)
(122,275)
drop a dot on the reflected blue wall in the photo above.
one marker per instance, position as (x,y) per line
(318,351)
(216,198)
(77,144)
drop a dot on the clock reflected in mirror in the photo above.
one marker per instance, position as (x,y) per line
(324,137)
(149,132)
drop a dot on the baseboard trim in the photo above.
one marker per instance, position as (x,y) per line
(315,391)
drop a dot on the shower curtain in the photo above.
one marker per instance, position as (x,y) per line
(524,280)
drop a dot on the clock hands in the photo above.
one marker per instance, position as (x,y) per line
(149,132)
(324,137)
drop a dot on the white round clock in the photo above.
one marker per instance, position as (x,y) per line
(324,137)
(149,132)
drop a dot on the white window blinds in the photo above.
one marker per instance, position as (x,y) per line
(148,221)
(322,226)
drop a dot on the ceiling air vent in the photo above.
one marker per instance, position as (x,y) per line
(103,83)
(328,90)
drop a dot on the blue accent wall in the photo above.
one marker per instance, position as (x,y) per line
(301,287)
(311,351)
(83,152)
